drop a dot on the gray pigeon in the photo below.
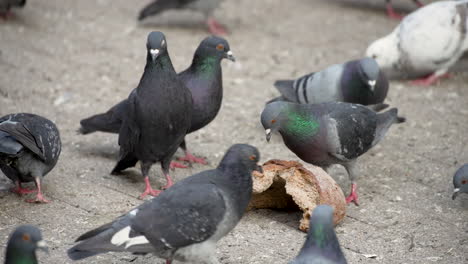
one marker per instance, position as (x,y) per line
(425,44)
(321,245)
(203,78)
(204,6)
(6,5)
(328,133)
(460,180)
(391,12)
(357,81)
(157,116)
(29,148)
(184,222)
(22,245)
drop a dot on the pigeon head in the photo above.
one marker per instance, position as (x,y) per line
(24,242)
(156,45)
(460,181)
(384,51)
(369,72)
(241,155)
(214,46)
(272,117)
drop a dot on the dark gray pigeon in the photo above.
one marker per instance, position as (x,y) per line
(460,181)
(357,81)
(321,245)
(157,117)
(6,5)
(203,78)
(184,222)
(29,148)
(391,12)
(204,6)
(22,245)
(328,133)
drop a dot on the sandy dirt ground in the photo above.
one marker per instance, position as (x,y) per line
(68,59)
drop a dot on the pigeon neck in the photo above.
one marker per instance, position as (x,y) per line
(162,62)
(17,256)
(300,124)
(206,65)
(322,238)
(354,85)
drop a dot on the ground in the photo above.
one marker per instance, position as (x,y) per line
(67,59)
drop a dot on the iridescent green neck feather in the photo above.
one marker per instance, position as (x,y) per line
(206,66)
(19,257)
(301,125)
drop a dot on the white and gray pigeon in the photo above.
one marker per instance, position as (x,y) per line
(328,133)
(6,5)
(23,244)
(157,116)
(425,44)
(206,7)
(321,245)
(460,181)
(29,149)
(357,81)
(184,222)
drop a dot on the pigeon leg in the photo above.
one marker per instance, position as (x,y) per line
(165,170)
(351,169)
(145,167)
(39,197)
(431,79)
(391,12)
(20,190)
(215,27)
(168,261)
(189,157)
(418,3)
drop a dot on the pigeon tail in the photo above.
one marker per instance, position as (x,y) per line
(157,7)
(286,88)
(101,122)
(384,121)
(9,145)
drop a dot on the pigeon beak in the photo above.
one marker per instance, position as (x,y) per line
(259,168)
(42,245)
(372,84)
(268,134)
(154,54)
(229,56)
(456,191)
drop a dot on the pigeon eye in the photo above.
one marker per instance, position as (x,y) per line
(464,181)
(273,121)
(253,157)
(220,47)
(26,237)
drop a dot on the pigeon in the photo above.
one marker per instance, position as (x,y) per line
(321,245)
(157,116)
(22,245)
(29,149)
(357,81)
(204,6)
(203,78)
(425,44)
(328,133)
(391,12)
(184,222)
(460,180)
(6,5)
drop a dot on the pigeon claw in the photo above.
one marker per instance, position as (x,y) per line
(39,199)
(19,190)
(177,165)
(392,14)
(353,197)
(430,80)
(192,159)
(150,191)
(215,27)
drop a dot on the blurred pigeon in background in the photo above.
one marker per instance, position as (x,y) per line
(357,81)
(425,44)
(6,5)
(321,245)
(22,245)
(29,148)
(460,181)
(204,6)
(157,116)
(203,78)
(184,222)
(328,133)
(391,12)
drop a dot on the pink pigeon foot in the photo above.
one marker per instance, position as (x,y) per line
(39,197)
(430,80)
(215,27)
(392,14)
(168,261)
(353,197)
(149,190)
(169,182)
(192,159)
(418,3)
(20,190)
(177,165)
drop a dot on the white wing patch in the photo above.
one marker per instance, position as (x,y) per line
(123,238)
